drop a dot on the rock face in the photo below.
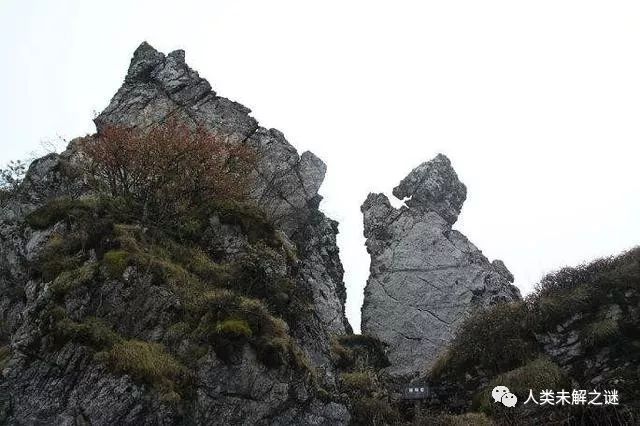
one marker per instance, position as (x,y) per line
(158,87)
(67,386)
(425,277)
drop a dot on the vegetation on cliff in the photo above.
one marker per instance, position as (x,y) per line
(578,330)
(149,224)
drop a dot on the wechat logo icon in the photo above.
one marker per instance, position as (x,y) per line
(502,395)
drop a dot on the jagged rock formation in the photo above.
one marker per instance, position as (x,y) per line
(425,277)
(46,380)
(158,87)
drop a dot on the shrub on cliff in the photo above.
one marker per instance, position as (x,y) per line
(474,344)
(168,169)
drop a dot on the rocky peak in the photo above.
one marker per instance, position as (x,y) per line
(433,186)
(425,277)
(158,87)
(135,308)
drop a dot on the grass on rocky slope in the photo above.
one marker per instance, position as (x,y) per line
(224,304)
(597,302)
(571,294)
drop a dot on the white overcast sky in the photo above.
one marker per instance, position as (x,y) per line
(537,103)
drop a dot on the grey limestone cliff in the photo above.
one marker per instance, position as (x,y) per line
(48,382)
(425,277)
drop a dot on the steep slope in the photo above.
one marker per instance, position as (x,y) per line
(425,277)
(224,318)
(578,331)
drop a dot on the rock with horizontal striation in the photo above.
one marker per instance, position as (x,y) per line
(425,277)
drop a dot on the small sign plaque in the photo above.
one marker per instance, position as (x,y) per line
(415,391)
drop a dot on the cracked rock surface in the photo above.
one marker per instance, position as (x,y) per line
(286,184)
(425,277)
(67,386)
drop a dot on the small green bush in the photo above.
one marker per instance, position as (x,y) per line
(361,382)
(343,357)
(60,253)
(365,351)
(147,362)
(474,344)
(600,332)
(115,262)
(51,213)
(235,328)
(91,332)
(539,374)
(557,307)
(70,280)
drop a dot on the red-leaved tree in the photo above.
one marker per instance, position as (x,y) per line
(169,168)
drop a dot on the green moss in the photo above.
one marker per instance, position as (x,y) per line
(539,374)
(69,280)
(115,262)
(197,262)
(600,332)
(301,360)
(147,362)
(258,293)
(358,382)
(90,332)
(234,327)
(128,236)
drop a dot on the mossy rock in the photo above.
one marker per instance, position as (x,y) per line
(115,262)
(237,328)
(600,332)
(147,362)
(361,382)
(68,281)
(90,332)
